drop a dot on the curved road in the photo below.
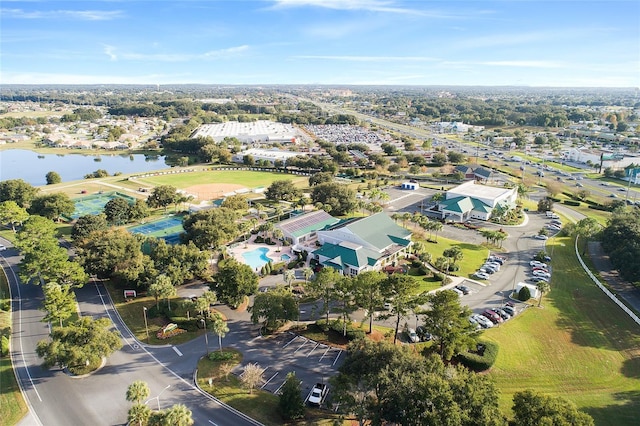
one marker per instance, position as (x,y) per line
(55,398)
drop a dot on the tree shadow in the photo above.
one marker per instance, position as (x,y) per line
(627,412)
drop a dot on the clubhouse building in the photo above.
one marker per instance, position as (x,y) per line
(472,200)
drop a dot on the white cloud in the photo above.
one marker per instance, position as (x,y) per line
(82,15)
(524,64)
(369,58)
(366,5)
(230,52)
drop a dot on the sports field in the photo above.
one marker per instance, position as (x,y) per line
(212,184)
(168,229)
(94,204)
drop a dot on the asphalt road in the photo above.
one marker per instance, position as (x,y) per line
(55,398)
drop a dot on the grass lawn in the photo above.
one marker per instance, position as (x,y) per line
(12,405)
(580,345)
(132,312)
(249,179)
(474,256)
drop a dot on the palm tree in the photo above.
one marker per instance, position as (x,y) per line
(396,216)
(278,234)
(437,226)
(139,413)
(289,276)
(178,415)
(138,391)
(543,287)
(219,327)
(308,273)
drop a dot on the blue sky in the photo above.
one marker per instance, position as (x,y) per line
(387,42)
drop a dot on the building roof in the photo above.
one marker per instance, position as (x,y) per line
(307,223)
(378,230)
(475,190)
(458,204)
(480,171)
(345,253)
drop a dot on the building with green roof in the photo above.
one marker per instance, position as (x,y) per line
(362,244)
(301,229)
(473,200)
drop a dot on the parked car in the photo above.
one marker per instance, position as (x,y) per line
(542,274)
(541,237)
(464,289)
(423,334)
(487,270)
(413,336)
(539,269)
(537,264)
(493,317)
(482,320)
(490,269)
(458,292)
(3,247)
(481,275)
(503,314)
(475,322)
(510,310)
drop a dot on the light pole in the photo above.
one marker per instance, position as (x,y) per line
(206,338)
(146,326)
(157,398)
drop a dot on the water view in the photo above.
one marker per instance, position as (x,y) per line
(32,167)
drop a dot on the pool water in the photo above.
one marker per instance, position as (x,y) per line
(285,257)
(256,258)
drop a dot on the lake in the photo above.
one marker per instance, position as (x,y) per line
(33,167)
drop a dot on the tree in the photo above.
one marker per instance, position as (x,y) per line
(448,321)
(368,293)
(180,262)
(322,286)
(282,190)
(454,253)
(219,328)
(162,287)
(178,415)
(86,224)
(59,302)
(290,403)
(235,202)
(113,253)
(545,205)
(553,188)
(533,409)
(621,240)
(274,308)
(210,229)
(85,340)
(139,413)
(455,157)
(524,294)
(11,212)
(162,196)
(543,287)
(52,206)
(117,211)
(252,376)
(289,277)
(53,178)
(322,177)
(308,273)
(233,282)
(139,210)
(203,302)
(340,197)
(439,159)
(17,190)
(138,391)
(402,290)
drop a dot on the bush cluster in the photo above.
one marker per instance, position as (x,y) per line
(571,203)
(480,360)
(220,356)
(338,326)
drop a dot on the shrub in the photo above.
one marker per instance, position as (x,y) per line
(259,239)
(571,203)
(221,356)
(338,325)
(524,294)
(4,346)
(446,280)
(482,359)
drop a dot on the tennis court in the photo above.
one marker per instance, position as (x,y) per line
(169,229)
(94,204)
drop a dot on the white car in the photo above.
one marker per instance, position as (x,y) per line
(481,275)
(542,274)
(413,336)
(2,247)
(542,237)
(482,320)
(537,264)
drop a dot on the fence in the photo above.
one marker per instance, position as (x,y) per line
(606,290)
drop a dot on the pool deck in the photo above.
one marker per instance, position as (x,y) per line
(275,252)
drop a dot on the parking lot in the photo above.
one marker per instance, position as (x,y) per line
(284,353)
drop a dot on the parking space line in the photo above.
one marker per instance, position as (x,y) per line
(271,378)
(177,350)
(338,356)
(302,345)
(314,348)
(290,341)
(325,353)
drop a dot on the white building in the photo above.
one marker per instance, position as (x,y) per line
(270,155)
(261,131)
(595,156)
(474,200)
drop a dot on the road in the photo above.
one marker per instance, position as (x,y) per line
(55,398)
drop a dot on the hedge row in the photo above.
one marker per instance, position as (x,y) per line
(571,203)
(338,326)
(476,362)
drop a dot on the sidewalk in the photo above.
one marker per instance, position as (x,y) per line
(608,273)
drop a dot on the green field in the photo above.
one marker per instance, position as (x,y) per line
(580,345)
(250,179)
(474,255)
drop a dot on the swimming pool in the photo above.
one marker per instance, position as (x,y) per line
(256,258)
(285,257)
